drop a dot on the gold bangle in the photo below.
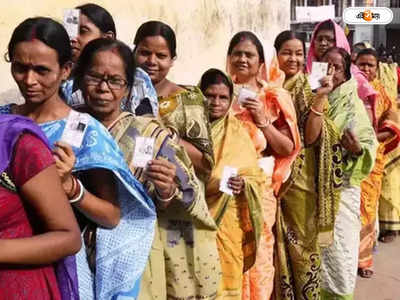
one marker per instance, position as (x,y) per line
(318,113)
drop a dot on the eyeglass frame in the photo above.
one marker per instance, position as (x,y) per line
(97,80)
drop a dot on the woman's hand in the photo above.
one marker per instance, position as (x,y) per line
(236,184)
(65,162)
(350,142)
(257,110)
(162,174)
(326,83)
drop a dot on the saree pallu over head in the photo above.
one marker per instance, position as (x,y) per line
(345,108)
(277,102)
(329,161)
(365,91)
(122,252)
(233,147)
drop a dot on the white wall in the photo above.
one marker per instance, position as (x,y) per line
(203,27)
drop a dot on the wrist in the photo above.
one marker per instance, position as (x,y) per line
(264,124)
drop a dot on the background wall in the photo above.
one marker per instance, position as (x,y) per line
(203,27)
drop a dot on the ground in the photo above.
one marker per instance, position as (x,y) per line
(385,285)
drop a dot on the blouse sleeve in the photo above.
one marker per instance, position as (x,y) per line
(31,156)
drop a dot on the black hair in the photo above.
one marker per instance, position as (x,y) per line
(46,30)
(346,59)
(155,28)
(215,76)
(326,25)
(368,51)
(288,35)
(105,44)
(247,35)
(99,16)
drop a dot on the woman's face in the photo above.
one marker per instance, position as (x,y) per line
(244,61)
(104,84)
(153,55)
(87,32)
(324,40)
(369,65)
(218,100)
(37,72)
(291,57)
(335,60)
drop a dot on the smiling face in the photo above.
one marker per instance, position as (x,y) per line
(368,64)
(37,72)
(336,60)
(218,100)
(100,86)
(154,56)
(291,57)
(87,32)
(244,61)
(324,40)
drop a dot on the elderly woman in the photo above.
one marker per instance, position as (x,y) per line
(239,214)
(347,112)
(103,72)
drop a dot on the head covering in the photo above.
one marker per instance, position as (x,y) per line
(364,89)
(277,101)
(340,37)
(11,128)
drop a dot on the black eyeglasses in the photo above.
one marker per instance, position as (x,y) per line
(114,83)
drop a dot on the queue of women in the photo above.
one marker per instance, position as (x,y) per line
(298,219)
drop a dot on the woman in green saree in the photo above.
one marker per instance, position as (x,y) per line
(306,201)
(181,108)
(184,261)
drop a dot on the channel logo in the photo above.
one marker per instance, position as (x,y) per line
(367,15)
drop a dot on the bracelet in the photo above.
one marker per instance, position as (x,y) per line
(72,191)
(318,113)
(265,125)
(169,198)
(81,193)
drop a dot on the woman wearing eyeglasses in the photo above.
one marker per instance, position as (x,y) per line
(103,72)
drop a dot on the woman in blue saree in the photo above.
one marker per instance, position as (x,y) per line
(95,176)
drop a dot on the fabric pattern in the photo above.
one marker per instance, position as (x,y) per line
(173,253)
(122,252)
(239,218)
(30,157)
(185,114)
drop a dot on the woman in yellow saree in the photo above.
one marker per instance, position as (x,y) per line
(386,127)
(389,201)
(238,216)
(270,118)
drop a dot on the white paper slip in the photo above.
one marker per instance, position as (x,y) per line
(246,93)
(351,125)
(227,173)
(71,22)
(144,150)
(75,128)
(318,71)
